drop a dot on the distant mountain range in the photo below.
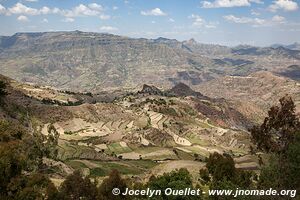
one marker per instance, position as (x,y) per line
(93,62)
(294,46)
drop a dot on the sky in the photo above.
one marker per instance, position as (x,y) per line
(225,22)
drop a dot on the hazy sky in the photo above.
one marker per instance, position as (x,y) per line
(228,22)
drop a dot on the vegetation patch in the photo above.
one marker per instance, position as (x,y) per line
(118,149)
(106,167)
(76,164)
(98,172)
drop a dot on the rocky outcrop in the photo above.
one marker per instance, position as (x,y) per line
(184,90)
(152,90)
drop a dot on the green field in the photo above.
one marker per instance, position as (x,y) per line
(76,164)
(118,149)
(101,168)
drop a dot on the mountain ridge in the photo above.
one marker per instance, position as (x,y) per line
(93,62)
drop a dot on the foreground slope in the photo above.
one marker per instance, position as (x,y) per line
(136,132)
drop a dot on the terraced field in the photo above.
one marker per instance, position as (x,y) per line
(139,130)
(67,150)
(97,168)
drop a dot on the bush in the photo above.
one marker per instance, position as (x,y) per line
(2,89)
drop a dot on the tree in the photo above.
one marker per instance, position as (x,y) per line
(19,164)
(52,192)
(222,174)
(75,187)
(220,167)
(12,162)
(113,181)
(279,135)
(177,179)
(282,171)
(204,175)
(2,89)
(51,142)
(30,187)
(278,129)
(293,161)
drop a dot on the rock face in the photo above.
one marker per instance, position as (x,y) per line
(149,89)
(183,90)
(93,62)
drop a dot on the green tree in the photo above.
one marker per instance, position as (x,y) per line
(221,167)
(2,89)
(204,175)
(178,179)
(52,192)
(283,171)
(113,181)
(278,128)
(220,173)
(75,187)
(32,187)
(19,164)
(279,135)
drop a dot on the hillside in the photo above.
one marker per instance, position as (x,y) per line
(136,132)
(96,62)
(253,94)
